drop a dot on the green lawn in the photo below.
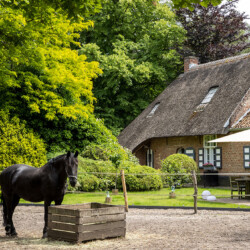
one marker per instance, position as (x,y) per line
(154,198)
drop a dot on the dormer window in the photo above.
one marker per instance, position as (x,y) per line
(153,110)
(210,95)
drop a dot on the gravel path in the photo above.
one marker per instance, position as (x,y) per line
(146,229)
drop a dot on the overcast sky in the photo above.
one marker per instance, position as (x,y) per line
(244,6)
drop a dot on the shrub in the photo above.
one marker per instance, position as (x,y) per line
(178,164)
(18,144)
(138,181)
(142,178)
(88,182)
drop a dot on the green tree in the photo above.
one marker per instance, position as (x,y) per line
(18,144)
(70,8)
(135,43)
(189,3)
(42,79)
(39,72)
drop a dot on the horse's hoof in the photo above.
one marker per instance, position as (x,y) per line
(45,235)
(14,234)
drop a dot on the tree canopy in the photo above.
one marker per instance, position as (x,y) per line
(135,43)
(189,3)
(214,32)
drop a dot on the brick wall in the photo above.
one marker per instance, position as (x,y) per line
(190,60)
(232,153)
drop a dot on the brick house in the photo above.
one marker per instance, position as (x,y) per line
(208,101)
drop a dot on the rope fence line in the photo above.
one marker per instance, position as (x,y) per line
(167,174)
(154,195)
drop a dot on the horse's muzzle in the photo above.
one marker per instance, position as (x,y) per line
(72,182)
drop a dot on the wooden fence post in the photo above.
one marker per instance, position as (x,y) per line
(124,190)
(195,191)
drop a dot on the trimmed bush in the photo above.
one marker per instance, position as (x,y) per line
(178,164)
(142,178)
(18,144)
(97,170)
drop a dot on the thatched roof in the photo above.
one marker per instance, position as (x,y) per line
(178,113)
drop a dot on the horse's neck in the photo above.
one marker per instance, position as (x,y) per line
(57,170)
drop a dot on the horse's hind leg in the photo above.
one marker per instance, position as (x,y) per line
(4,213)
(11,203)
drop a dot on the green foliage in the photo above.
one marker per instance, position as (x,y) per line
(39,72)
(19,145)
(142,178)
(177,165)
(109,150)
(71,8)
(43,81)
(189,3)
(88,182)
(101,175)
(135,43)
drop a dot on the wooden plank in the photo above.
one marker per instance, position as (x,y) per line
(102,219)
(64,226)
(56,234)
(86,228)
(64,211)
(102,226)
(102,211)
(62,218)
(100,235)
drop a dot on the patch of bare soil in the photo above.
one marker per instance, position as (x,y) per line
(146,229)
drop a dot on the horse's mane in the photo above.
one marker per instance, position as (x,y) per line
(53,160)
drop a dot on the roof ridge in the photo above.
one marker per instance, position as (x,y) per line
(221,61)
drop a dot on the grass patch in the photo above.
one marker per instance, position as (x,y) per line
(183,198)
(155,198)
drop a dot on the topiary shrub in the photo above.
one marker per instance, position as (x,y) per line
(18,144)
(178,164)
(142,178)
(88,182)
(137,181)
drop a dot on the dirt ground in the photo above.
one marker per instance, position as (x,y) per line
(146,229)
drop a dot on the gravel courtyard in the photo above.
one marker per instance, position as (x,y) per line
(146,229)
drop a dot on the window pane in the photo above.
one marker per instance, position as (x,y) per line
(246,150)
(217,151)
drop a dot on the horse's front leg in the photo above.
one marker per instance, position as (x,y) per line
(45,229)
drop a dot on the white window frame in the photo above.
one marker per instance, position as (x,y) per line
(153,109)
(209,95)
(209,148)
(207,144)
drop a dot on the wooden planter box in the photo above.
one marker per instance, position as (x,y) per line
(89,221)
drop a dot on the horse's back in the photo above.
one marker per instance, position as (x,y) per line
(19,179)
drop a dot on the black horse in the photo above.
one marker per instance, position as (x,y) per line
(47,184)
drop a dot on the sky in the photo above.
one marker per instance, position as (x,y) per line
(244,6)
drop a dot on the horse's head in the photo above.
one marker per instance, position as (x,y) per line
(71,167)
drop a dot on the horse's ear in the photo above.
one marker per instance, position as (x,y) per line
(76,154)
(68,154)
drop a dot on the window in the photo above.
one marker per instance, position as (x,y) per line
(180,151)
(246,155)
(153,110)
(211,155)
(206,139)
(150,158)
(210,95)
(190,152)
